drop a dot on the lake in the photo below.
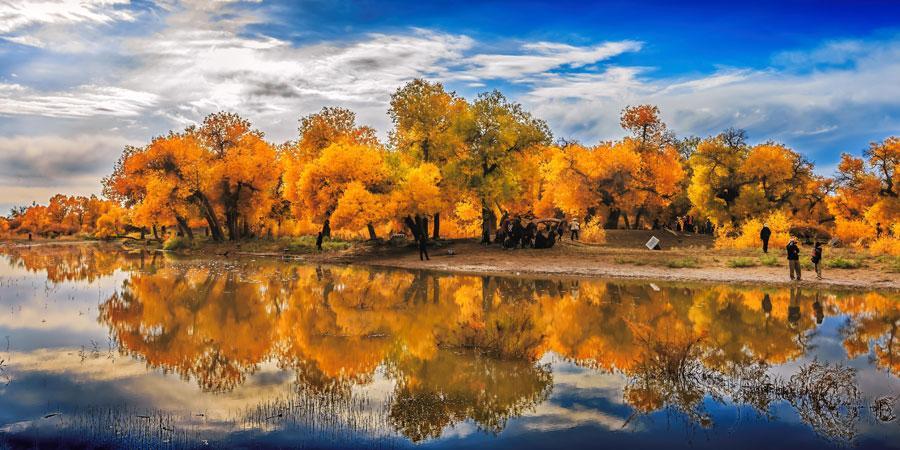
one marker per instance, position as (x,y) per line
(100,347)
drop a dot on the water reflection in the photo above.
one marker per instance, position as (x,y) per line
(475,349)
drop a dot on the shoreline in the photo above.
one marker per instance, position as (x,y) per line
(568,260)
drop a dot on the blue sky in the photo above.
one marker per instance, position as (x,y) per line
(81,79)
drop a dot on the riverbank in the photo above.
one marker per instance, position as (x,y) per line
(683,258)
(697,264)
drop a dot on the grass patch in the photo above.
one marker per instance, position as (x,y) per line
(307,244)
(742,262)
(633,262)
(892,263)
(177,243)
(843,263)
(769,260)
(683,263)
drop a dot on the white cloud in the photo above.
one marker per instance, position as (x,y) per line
(81,101)
(36,162)
(540,57)
(20,20)
(34,168)
(823,104)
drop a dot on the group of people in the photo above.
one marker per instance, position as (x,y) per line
(793,254)
(517,233)
(687,224)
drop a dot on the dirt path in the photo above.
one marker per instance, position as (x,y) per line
(581,260)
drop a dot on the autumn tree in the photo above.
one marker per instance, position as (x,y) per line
(427,130)
(732,181)
(242,175)
(646,125)
(318,131)
(348,179)
(500,133)
(629,179)
(867,191)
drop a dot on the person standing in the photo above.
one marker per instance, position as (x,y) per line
(319,241)
(575,227)
(764,235)
(423,249)
(817,260)
(793,256)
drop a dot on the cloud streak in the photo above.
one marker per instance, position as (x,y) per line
(20,21)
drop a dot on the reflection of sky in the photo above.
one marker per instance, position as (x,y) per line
(51,327)
(36,313)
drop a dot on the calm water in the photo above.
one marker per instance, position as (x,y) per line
(105,348)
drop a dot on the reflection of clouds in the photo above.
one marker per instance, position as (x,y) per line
(592,391)
(47,381)
(30,306)
(551,417)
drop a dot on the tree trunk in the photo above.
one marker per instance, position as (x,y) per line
(231,222)
(413,227)
(487,223)
(155,234)
(326,227)
(437,226)
(210,215)
(612,220)
(183,227)
(371,229)
(246,232)
(143,233)
(637,218)
(625,218)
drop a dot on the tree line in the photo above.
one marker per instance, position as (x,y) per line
(455,167)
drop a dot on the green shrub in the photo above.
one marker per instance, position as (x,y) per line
(681,263)
(177,243)
(768,260)
(893,264)
(742,262)
(635,262)
(843,263)
(307,244)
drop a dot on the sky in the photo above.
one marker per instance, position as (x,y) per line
(79,80)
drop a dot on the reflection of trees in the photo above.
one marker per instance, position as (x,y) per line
(193,322)
(84,262)
(452,387)
(465,347)
(874,321)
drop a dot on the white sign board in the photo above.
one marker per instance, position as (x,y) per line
(651,244)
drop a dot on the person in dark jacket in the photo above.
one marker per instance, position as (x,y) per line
(817,260)
(793,256)
(765,234)
(423,249)
(319,241)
